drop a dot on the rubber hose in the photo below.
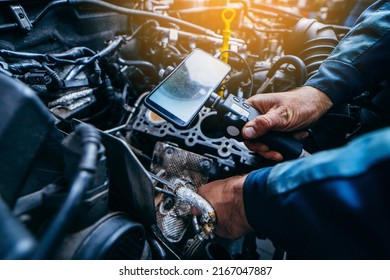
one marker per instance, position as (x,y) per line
(311,41)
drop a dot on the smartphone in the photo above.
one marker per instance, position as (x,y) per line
(181,95)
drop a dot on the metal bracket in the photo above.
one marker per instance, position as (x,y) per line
(22,18)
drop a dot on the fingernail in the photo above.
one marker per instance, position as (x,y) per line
(249,132)
(263,148)
(278,157)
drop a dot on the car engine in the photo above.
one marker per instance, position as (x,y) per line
(88,172)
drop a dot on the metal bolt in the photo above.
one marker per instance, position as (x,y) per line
(169,151)
(205,165)
(47,79)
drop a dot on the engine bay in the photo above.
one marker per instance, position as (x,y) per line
(89,172)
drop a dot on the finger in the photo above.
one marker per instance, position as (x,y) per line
(262,102)
(262,124)
(263,150)
(272,155)
(256,146)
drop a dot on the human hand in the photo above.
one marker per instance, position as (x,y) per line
(226,197)
(283,111)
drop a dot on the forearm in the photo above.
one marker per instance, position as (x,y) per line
(332,199)
(360,60)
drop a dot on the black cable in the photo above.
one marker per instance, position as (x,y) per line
(246,64)
(143,64)
(55,78)
(118,9)
(8,26)
(50,58)
(299,65)
(67,213)
(157,249)
(90,140)
(139,29)
(73,72)
(112,47)
(145,14)
(41,14)
(74,53)
(48,7)
(22,67)
(68,57)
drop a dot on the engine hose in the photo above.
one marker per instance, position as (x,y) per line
(47,8)
(115,8)
(158,250)
(208,216)
(112,47)
(62,57)
(133,12)
(73,56)
(300,71)
(56,81)
(41,14)
(21,67)
(90,141)
(194,199)
(192,248)
(300,68)
(74,53)
(311,41)
(143,64)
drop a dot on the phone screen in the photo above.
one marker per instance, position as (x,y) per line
(180,96)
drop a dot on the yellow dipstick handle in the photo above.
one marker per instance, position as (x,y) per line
(227,17)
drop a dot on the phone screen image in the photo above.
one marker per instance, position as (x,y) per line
(183,93)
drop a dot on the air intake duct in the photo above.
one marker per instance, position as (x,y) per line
(311,41)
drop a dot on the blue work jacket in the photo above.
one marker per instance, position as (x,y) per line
(334,204)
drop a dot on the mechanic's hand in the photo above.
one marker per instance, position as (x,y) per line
(226,197)
(283,111)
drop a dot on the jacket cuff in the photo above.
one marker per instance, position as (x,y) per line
(255,197)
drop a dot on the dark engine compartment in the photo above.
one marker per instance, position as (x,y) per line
(87,170)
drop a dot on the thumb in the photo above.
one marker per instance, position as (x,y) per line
(262,124)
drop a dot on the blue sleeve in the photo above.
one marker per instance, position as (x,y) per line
(360,61)
(332,205)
